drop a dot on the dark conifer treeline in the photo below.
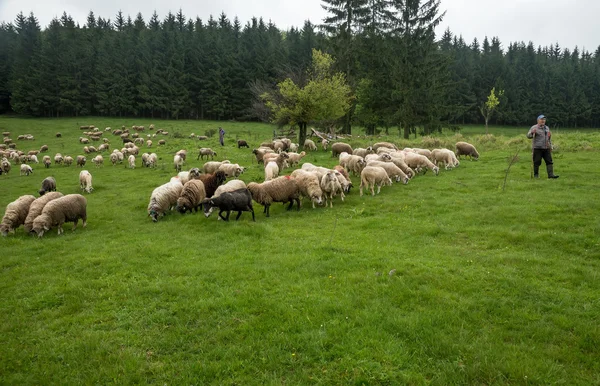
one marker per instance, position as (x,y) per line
(179,68)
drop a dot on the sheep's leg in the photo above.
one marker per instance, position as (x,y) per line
(342,195)
(267,209)
(298,201)
(372,189)
(252,211)
(75,223)
(378,188)
(221,215)
(60,230)
(291,204)
(238,215)
(227,217)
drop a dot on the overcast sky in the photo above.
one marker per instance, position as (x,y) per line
(569,22)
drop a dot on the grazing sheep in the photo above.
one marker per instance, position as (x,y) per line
(183,154)
(238,200)
(69,208)
(104,147)
(44,148)
(279,146)
(230,186)
(271,170)
(213,166)
(81,160)
(153,160)
(58,159)
(310,145)
(371,176)
(384,144)
(149,143)
(294,158)
(397,158)
(26,170)
(145,158)
(339,147)
(425,152)
(46,161)
(309,185)
(98,160)
(33,152)
(202,137)
(131,161)
(353,163)
(162,142)
(85,181)
(444,155)
(68,161)
(5,166)
(48,185)
(192,174)
(325,143)
(268,144)
(260,153)
(15,214)
(231,170)
(419,162)
(241,143)
(330,185)
(33,159)
(393,171)
(212,182)
(363,152)
(279,159)
(466,149)
(206,151)
(163,198)
(191,196)
(342,171)
(281,189)
(36,209)
(178,162)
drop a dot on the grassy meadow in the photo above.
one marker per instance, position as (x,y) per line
(450,279)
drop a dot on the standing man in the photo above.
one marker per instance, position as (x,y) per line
(542,147)
(221,136)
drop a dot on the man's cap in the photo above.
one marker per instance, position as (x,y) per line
(541,117)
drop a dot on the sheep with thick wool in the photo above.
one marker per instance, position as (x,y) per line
(331,186)
(212,182)
(163,198)
(153,160)
(281,189)
(260,153)
(191,196)
(81,160)
(206,152)
(69,208)
(192,174)
(371,176)
(310,145)
(466,149)
(384,144)
(271,170)
(309,185)
(131,161)
(178,162)
(58,159)
(280,159)
(419,162)
(445,156)
(295,158)
(36,208)
(15,214)
(362,152)
(213,166)
(26,170)
(398,159)
(68,161)
(98,160)
(48,185)
(393,171)
(85,181)
(231,170)
(353,163)
(339,147)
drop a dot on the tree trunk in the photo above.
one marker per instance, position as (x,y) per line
(302,134)
(486,125)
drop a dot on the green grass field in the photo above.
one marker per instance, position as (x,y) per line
(490,286)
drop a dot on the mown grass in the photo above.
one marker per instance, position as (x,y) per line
(490,286)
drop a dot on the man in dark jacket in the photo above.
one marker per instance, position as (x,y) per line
(542,147)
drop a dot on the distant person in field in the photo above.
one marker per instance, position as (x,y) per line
(221,136)
(542,147)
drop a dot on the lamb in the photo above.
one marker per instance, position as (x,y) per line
(15,214)
(48,185)
(98,160)
(206,151)
(191,196)
(466,149)
(36,208)
(339,147)
(260,153)
(85,181)
(393,171)
(294,158)
(212,182)
(241,143)
(384,144)
(309,144)
(309,185)
(330,185)
(271,170)
(371,176)
(71,207)
(178,162)
(238,200)
(363,152)
(419,162)
(163,198)
(281,189)
(231,170)
(26,170)
(68,160)
(81,160)
(131,161)
(213,166)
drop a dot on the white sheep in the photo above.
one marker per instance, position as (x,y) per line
(330,185)
(309,185)
(15,214)
(212,166)
(362,152)
(393,171)
(445,156)
(192,174)
(131,161)
(178,162)
(85,181)
(466,149)
(26,169)
(58,159)
(36,209)
(295,158)
(68,161)
(71,207)
(309,144)
(33,159)
(153,160)
(281,189)
(271,171)
(206,151)
(98,160)
(371,176)
(231,170)
(163,198)
(419,162)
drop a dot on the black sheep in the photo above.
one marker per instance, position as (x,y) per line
(239,200)
(241,143)
(48,185)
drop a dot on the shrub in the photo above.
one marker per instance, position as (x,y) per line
(210,132)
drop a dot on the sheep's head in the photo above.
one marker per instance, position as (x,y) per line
(405,180)
(385,157)
(153,215)
(220,177)
(317,199)
(436,170)
(208,206)
(5,229)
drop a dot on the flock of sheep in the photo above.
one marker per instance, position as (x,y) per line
(209,189)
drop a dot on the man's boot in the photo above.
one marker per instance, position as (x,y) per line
(536,171)
(550,169)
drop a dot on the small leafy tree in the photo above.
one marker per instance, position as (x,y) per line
(324,98)
(487,108)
